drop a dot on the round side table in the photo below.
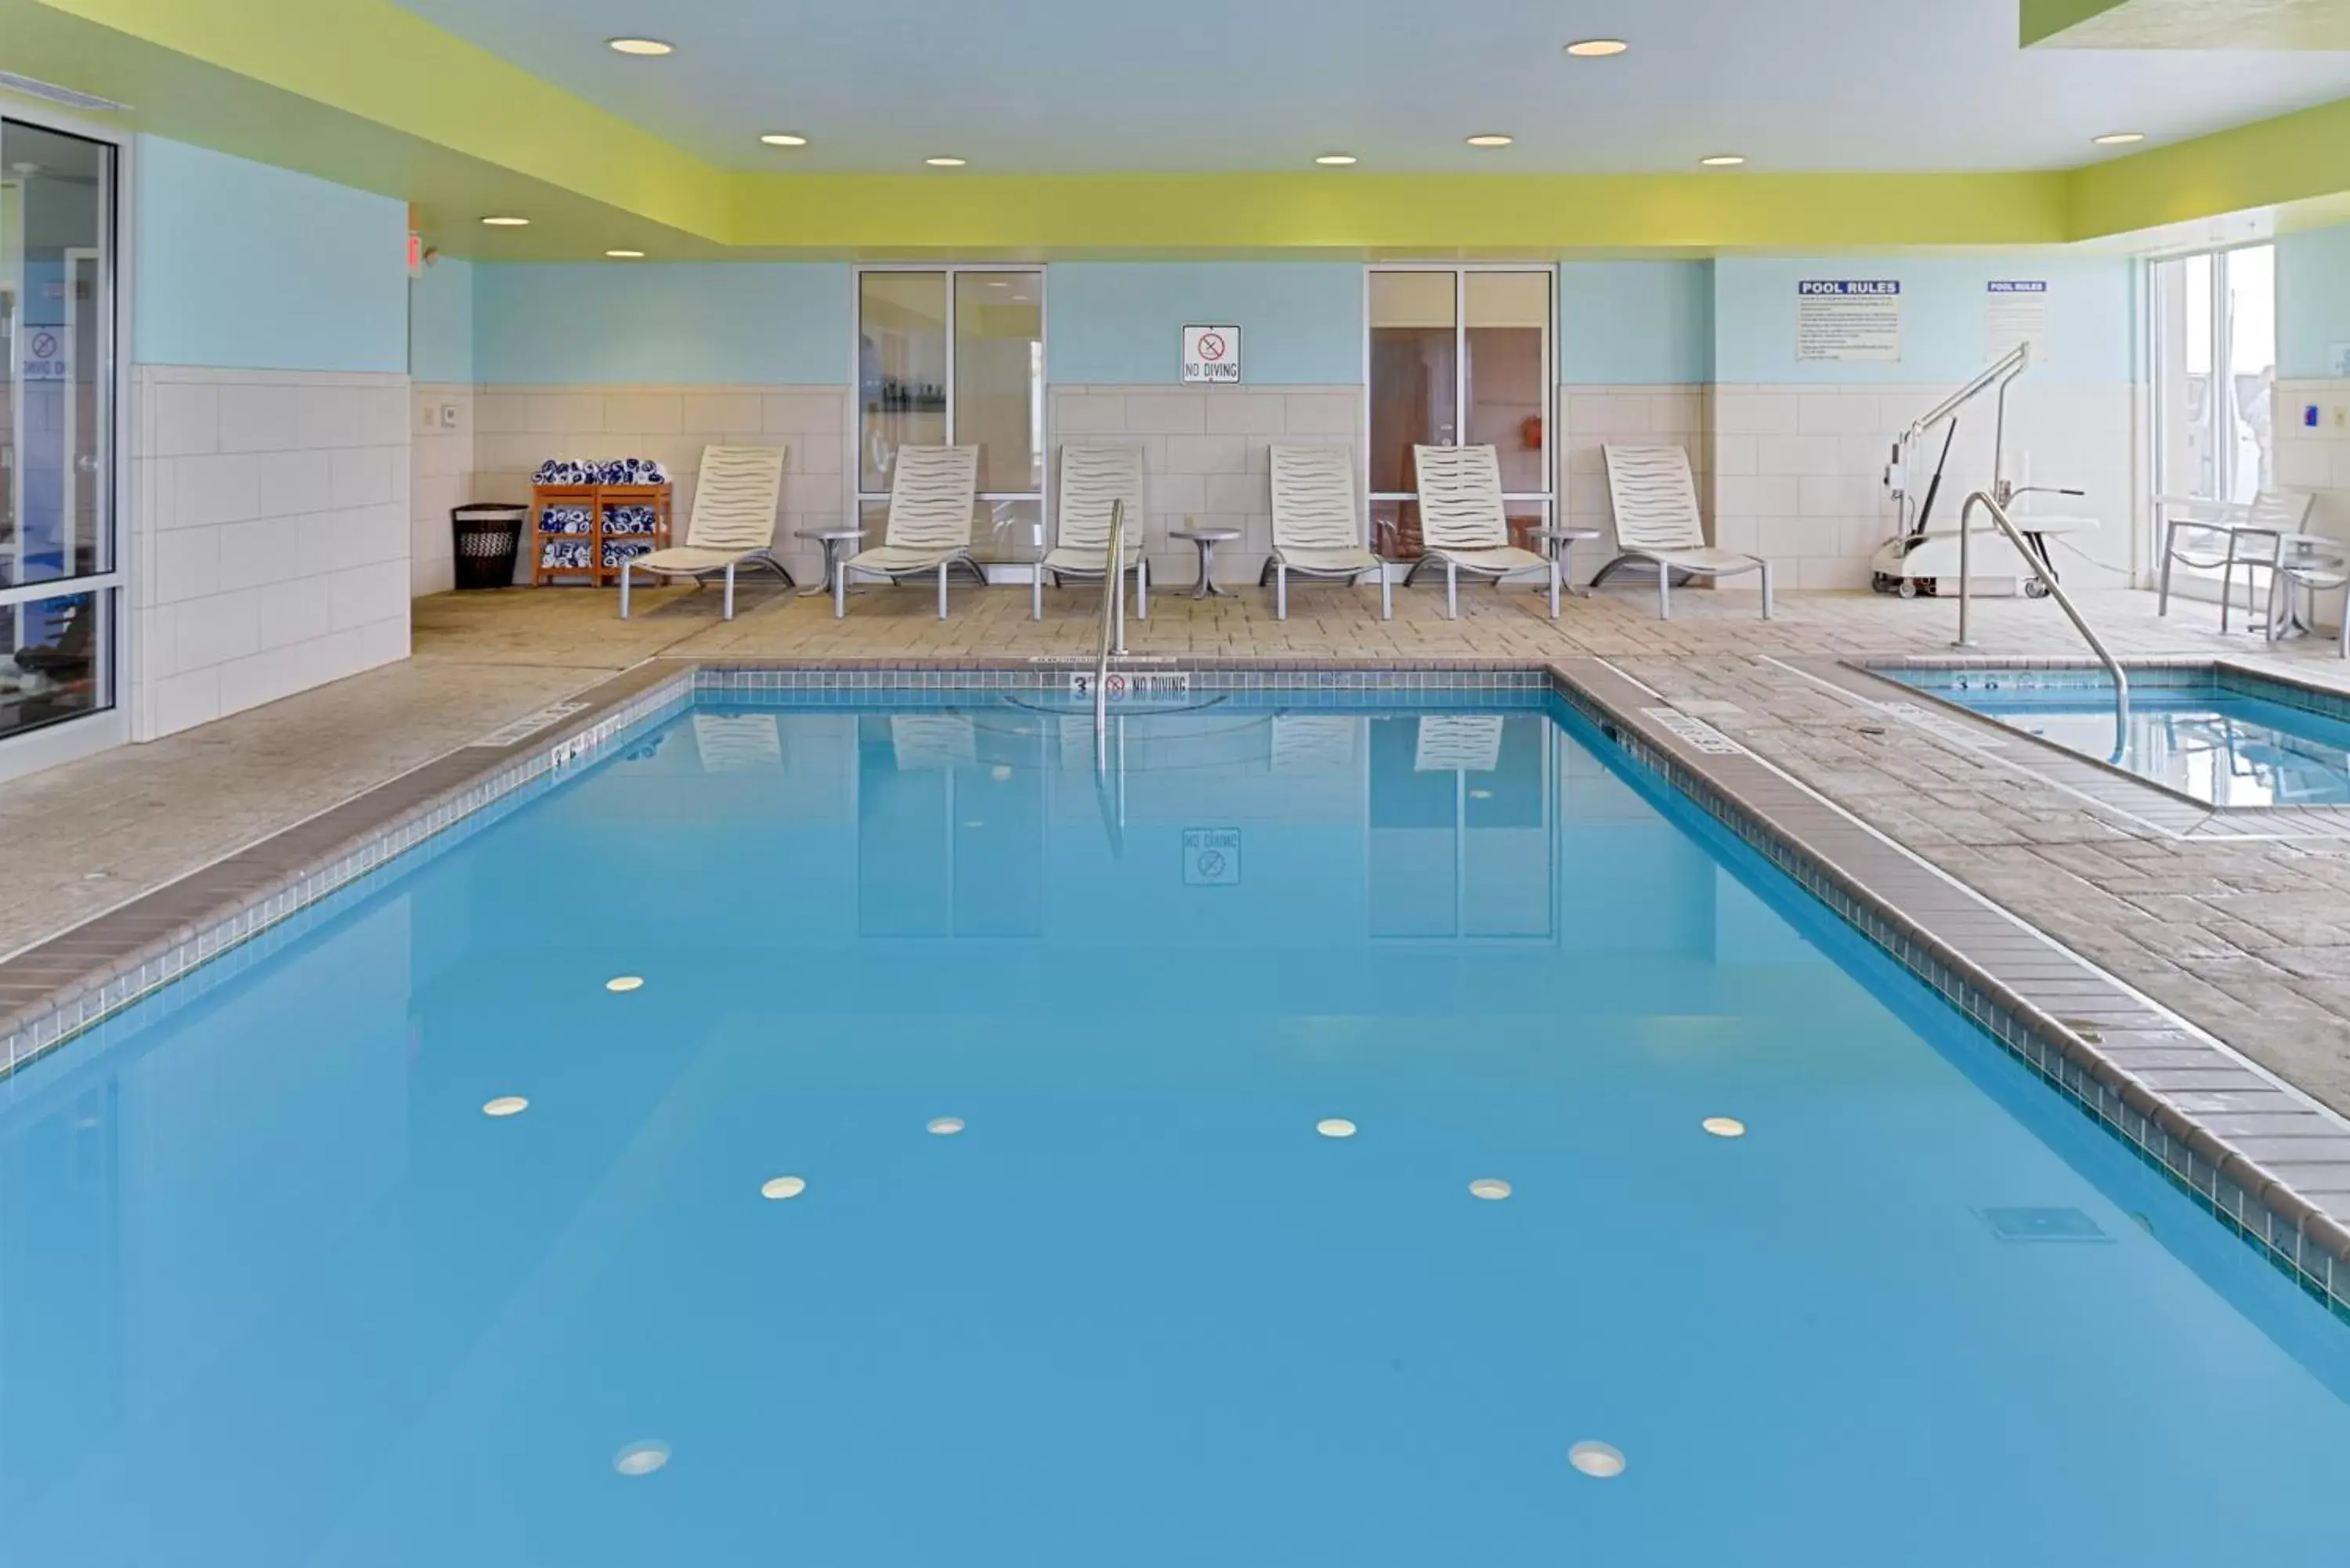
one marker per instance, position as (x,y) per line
(1207,539)
(832,539)
(1559,544)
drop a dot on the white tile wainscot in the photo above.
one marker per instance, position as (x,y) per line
(439,480)
(1208,451)
(1798,471)
(2318,460)
(519,427)
(269,536)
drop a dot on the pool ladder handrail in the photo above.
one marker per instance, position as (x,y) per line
(1995,506)
(1113,626)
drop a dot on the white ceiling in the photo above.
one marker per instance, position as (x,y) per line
(1040,85)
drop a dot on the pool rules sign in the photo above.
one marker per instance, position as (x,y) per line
(1212,356)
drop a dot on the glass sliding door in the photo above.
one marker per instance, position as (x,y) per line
(57,572)
(955,356)
(2214,340)
(1459,356)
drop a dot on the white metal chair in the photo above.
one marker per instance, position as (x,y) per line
(733,522)
(1317,529)
(931,492)
(1464,524)
(1094,480)
(2222,535)
(1657,521)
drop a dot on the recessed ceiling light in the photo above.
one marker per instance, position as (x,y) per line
(946,1127)
(2118,138)
(1490,139)
(775,1188)
(640,47)
(1491,1189)
(640,1458)
(626,255)
(1336,160)
(1722,160)
(1603,1461)
(1596,48)
(1334,1127)
(946,163)
(625,983)
(502,222)
(506,1106)
(1724,1127)
(784,138)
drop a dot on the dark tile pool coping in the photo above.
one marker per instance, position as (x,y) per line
(2173,812)
(2264,1159)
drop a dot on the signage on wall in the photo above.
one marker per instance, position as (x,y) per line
(2015,310)
(1211,355)
(43,357)
(1211,857)
(1846,319)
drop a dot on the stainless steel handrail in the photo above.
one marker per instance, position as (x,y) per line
(1113,614)
(1984,499)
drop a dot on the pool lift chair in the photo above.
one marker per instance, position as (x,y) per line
(1464,524)
(1920,557)
(933,490)
(733,525)
(1656,522)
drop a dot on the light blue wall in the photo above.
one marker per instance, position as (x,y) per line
(2312,283)
(1942,332)
(715,323)
(244,266)
(441,322)
(1121,323)
(1635,323)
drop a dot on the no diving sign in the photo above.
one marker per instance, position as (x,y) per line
(1211,355)
(1211,857)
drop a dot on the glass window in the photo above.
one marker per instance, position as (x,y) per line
(2214,336)
(1457,354)
(57,421)
(956,356)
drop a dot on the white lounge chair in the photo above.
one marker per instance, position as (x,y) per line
(1464,524)
(1094,478)
(931,491)
(733,522)
(1657,521)
(1317,530)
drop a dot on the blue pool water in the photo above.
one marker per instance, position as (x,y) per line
(2224,738)
(274,1290)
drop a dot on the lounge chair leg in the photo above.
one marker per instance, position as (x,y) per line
(1037,594)
(728,612)
(2227,586)
(1664,592)
(1554,587)
(624,588)
(1451,592)
(840,590)
(943,590)
(1766,590)
(1387,595)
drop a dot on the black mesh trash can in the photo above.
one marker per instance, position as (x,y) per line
(485,539)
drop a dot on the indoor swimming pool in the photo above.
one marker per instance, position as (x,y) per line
(2211,731)
(857,1128)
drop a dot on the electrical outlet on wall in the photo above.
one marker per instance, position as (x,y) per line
(448,416)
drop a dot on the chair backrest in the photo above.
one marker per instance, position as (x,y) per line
(735,499)
(1094,478)
(1314,498)
(1654,498)
(1461,497)
(2286,511)
(931,491)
